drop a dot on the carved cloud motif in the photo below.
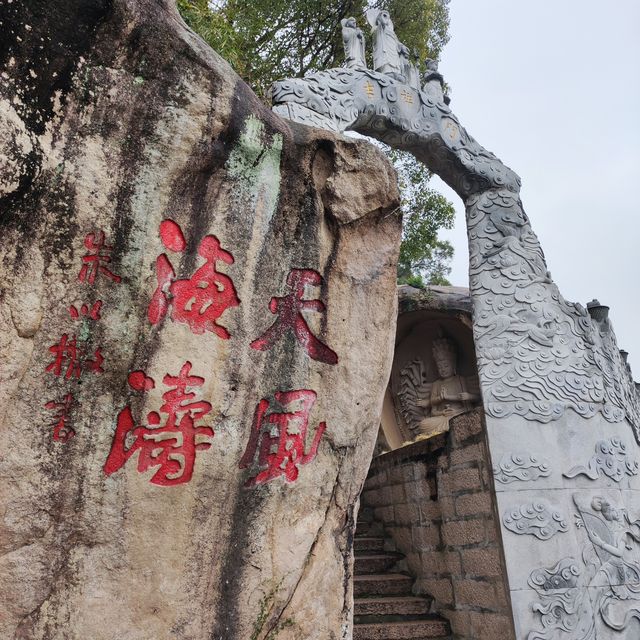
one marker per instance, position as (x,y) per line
(538,355)
(611,459)
(521,466)
(540,519)
(577,597)
(565,610)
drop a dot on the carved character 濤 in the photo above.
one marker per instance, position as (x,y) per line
(171,446)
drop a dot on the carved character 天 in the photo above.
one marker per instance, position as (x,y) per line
(278,437)
(94,262)
(198,301)
(172,444)
(290,317)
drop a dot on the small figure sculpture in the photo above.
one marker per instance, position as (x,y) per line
(614,560)
(409,70)
(434,82)
(353,40)
(450,395)
(386,46)
(431,65)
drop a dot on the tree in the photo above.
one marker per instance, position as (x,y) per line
(267,40)
(424,258)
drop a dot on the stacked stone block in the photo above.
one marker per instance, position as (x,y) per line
(435,500)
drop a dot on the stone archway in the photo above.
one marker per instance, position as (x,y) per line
(555,387)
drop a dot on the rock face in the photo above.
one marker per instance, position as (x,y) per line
(196,327)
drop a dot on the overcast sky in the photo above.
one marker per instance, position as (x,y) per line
(552,87)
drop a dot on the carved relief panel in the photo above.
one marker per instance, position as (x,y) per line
(434,375)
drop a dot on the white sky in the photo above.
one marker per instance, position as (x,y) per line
(553,89)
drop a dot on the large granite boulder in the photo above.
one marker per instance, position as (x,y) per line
(197,314)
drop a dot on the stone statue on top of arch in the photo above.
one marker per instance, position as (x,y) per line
(353,41)
(386,46)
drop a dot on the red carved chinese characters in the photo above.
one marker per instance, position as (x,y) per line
(278,437)
(200,300)
(94,262)
(71,352)
(70,359)
(62,432)
(171,446)
(290,318)
(92,313)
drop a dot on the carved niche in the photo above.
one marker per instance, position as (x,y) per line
(433,378)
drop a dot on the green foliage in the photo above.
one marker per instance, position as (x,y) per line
(424,213)
(266,605)
(267,40)
(414,280)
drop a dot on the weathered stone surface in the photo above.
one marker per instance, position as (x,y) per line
(114,117)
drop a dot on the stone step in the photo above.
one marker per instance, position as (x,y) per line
(433,627)
(365,514)
(368,543)
(391,606)
(386,584)
(375,562)
(369,528)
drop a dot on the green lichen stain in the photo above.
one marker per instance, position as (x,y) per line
(266,606)
(255,164)
(85,332)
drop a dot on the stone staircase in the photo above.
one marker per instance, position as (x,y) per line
(385,608)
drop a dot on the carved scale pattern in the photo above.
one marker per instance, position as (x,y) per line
(538,355)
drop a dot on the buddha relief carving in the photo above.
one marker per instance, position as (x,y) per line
(427,406)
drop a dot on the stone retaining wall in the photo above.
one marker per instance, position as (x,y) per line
(435,498)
